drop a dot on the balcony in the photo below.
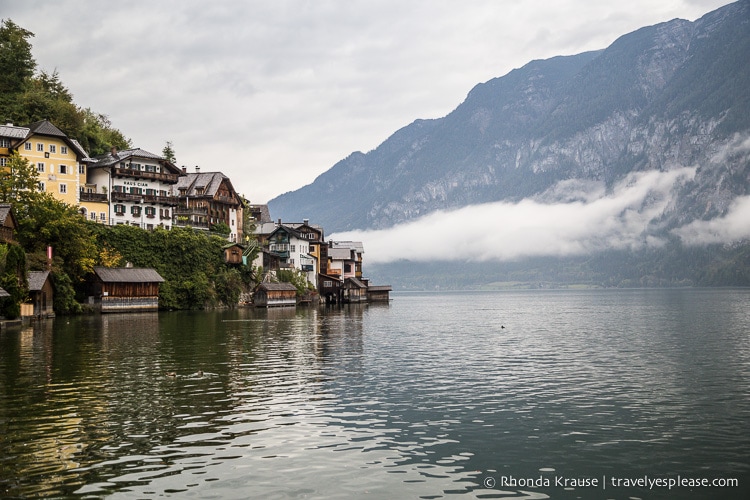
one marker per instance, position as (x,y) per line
(191,211)
(118,196)
(140,174)
(86,196)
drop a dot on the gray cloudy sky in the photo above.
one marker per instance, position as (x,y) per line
(275,92)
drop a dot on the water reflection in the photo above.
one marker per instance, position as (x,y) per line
(424,398)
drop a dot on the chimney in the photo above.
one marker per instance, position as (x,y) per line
(114,151)
(306,222)
(197,169)
(184,169)
(279,223)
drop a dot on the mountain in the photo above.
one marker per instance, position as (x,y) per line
(663,97)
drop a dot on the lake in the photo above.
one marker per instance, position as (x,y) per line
(514,394)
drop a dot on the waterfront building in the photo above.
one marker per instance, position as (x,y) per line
(125,289)
(294,246)
(139,185)
(275,295)
(207,199)
(41,294)
(60,161)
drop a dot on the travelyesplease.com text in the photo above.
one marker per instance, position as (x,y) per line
(612,482)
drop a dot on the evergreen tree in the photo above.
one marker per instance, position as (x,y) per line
(17,66)
(168,153)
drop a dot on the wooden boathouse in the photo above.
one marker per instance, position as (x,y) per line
(126,289)
(275,295)
(41,294)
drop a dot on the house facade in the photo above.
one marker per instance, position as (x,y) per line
(139,185)
(61,162)
(207,199)
(294,246)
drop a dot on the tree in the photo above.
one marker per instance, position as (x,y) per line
(17,65)
(13,280)
(19,182)
(49,222)
(168,153)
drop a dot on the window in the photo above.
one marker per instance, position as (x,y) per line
(27,146)
(63,169)
(103,216)
(64,150)
(40,147)
(81,169)
(119,210)
(150,212)
(52,148)
(40,167)
(92,216)
(135,211)
(41,186)
(4,143)
(3,162)
(63,188)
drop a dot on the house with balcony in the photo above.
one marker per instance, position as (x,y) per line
(207,199)
(60,161)
(139,185)
(293,246)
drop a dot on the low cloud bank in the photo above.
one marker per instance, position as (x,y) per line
(572,218)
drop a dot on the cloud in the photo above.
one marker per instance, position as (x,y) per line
(733,226)
(573,218)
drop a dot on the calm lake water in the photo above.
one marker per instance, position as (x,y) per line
(529,394)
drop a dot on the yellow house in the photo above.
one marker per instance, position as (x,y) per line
(59,160)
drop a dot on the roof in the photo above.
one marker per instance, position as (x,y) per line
(109,159)
(45,127)
(37,280)
(354,245)
(5,210)
(3,293)
(128,275)
(379,288)
(356,282)
(340,253)
(261,211)
(278,286)
(13,132)
(209,182)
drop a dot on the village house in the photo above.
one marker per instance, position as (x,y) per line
(139,185)
(293,246)
(125,289)
(41,294)
(207,199)
(60,161)
(8,224)
(233,253)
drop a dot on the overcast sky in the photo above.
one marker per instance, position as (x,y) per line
(275,92)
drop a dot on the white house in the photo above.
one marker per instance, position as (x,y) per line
(139,185)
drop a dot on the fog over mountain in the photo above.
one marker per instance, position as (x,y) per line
(631,147)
